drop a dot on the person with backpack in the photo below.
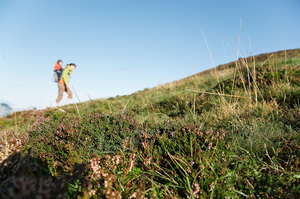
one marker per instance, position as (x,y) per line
(58,69)
(63,84)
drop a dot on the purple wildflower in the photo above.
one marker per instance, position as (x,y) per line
(173,133)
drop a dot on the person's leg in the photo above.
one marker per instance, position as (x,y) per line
(70,96)
(68,101)
(61,88)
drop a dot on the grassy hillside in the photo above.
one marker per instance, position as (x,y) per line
(231,131)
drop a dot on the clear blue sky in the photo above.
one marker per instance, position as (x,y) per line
(121,46)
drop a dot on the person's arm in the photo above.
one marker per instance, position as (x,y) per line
(65,76)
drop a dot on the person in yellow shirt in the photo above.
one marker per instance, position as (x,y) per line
(63,84)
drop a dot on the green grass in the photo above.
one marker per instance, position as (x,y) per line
(234,136)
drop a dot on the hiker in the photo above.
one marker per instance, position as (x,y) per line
(63,84)
(58,69)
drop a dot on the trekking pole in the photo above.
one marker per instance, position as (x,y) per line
(76,94)
(75,102)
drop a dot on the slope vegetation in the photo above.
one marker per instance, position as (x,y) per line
(229,132)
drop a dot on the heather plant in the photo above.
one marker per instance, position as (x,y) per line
(234,136)
(22,176)
(115,176)
(73,140)
(11,142)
